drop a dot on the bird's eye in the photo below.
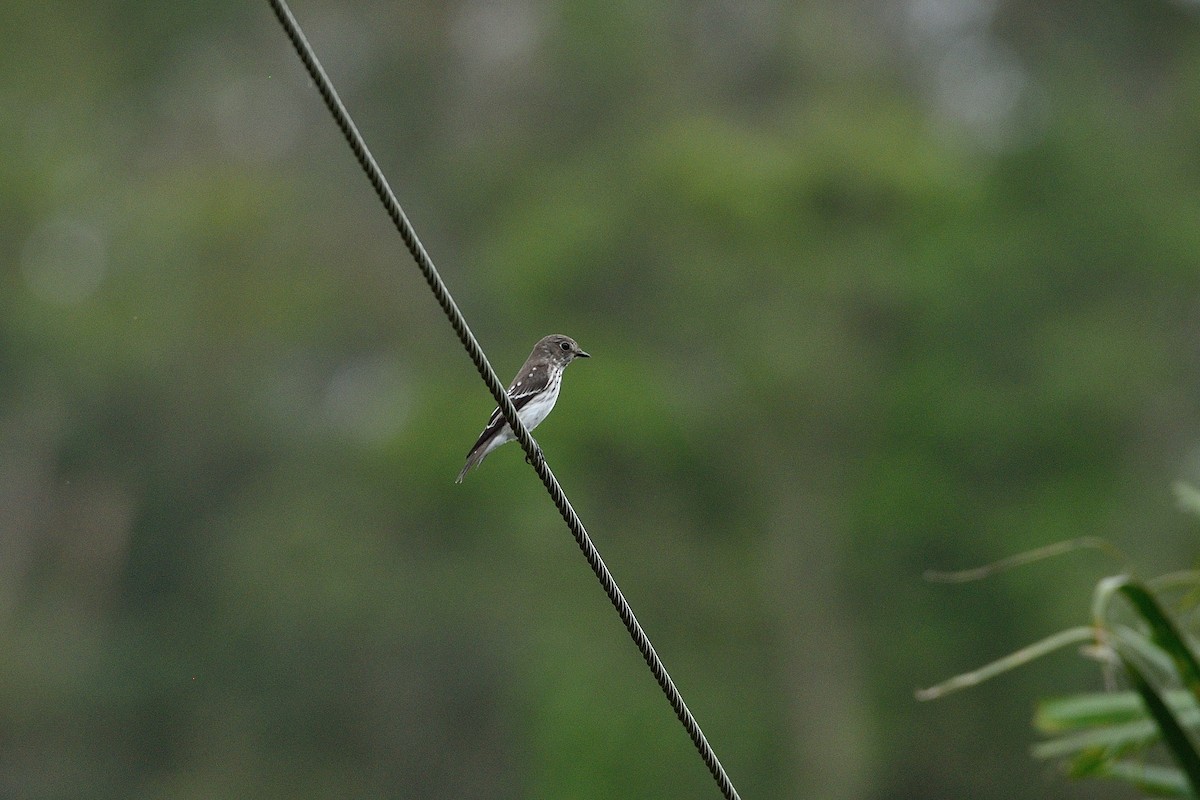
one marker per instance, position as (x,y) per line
(564,345)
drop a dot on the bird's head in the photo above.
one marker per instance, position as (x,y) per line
(559,349)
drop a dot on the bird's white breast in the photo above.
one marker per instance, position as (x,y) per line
(539,407)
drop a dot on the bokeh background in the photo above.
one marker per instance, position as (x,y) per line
(871,288)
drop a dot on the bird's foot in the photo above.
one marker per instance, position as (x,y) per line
(537,459)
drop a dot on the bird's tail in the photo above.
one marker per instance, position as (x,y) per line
(473,459)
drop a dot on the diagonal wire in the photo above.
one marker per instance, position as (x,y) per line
(458,321)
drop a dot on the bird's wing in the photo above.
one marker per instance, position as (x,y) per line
(520,394)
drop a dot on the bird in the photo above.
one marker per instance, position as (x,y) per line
(534,392)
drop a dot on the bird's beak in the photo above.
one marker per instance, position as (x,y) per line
(581,354)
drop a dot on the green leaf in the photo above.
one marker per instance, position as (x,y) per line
(1165,634)
(1130,640)
(1173,734)
(1094,762)
(1111,740)
(1151,779)
(1082,711)
(1187,496)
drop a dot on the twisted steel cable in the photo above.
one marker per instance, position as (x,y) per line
(359,146)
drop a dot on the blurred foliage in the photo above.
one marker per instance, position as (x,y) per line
(871,288)
(1140,633)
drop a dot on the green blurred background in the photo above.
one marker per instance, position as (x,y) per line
(871,288)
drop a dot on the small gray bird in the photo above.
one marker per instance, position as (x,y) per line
(534,392)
